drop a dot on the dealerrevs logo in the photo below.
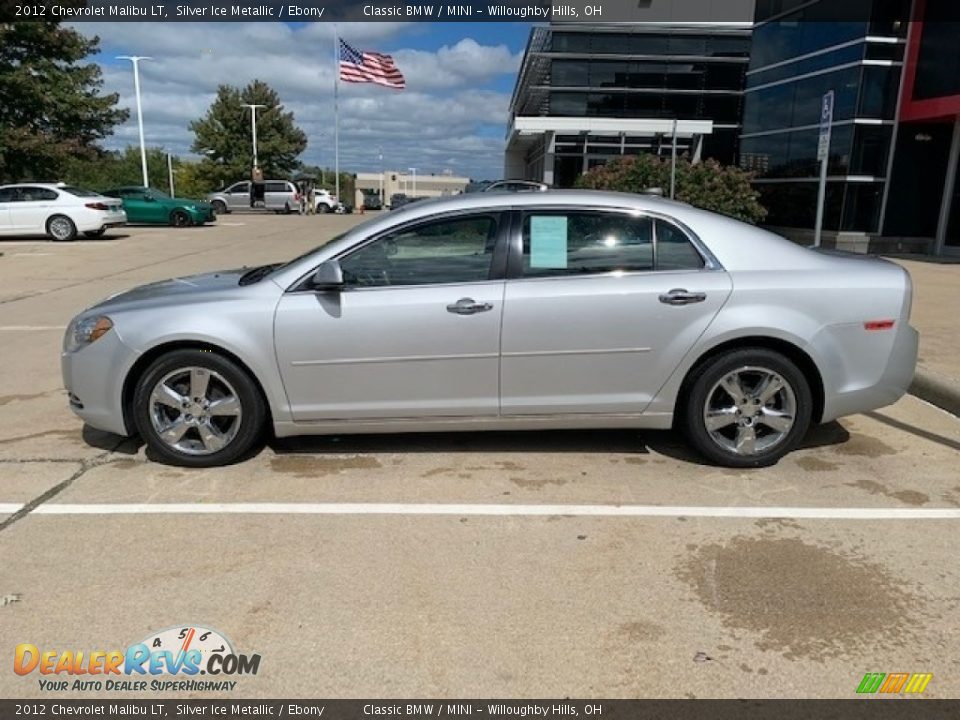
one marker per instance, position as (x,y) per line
(185,652)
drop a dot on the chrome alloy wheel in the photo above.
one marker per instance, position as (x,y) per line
(195,410)
(61,228)
(750,410)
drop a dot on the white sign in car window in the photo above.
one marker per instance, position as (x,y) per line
(548,241)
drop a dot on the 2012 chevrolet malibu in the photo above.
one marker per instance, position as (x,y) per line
(563,309)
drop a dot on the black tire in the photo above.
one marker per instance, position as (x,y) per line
(707,376)
(60,228)
(220,207)
(324,208)
(251,422)
(179,218)
(96,233)
(286,209)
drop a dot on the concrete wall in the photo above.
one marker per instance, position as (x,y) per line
(395,181)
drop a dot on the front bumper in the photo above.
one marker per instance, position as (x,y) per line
(93,377)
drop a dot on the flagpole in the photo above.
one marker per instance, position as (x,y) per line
(336,111)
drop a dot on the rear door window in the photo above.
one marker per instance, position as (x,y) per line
(596,242)
(581,243)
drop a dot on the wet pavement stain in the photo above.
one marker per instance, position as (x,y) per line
(865,446)
(7,399)
(535,484)
(635,460)
(306,466)
(436,471)
(802,600)
(814,464)
(509,465)
(124,464)
(640,631)
(908,497)
(74,435)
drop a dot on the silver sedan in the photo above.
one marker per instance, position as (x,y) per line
(563,309)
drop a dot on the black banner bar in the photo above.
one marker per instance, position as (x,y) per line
(154,709)
(877,12)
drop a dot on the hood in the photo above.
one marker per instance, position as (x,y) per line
(189,287)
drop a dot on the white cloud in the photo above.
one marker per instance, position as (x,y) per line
(440,122)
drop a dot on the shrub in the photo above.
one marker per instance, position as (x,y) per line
(708,185)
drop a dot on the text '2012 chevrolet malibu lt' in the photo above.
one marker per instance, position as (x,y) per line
(494,311)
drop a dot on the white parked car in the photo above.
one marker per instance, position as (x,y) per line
(324,201)
(57,210)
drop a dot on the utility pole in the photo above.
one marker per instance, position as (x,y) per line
(253,129)
(135,59)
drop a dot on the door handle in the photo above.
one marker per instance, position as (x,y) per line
(679,296)
(468,306)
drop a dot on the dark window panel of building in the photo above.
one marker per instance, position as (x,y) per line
(871,149)
(793,204)
(938,65)
(878,92)
(783,40)
(919,168)
(841,56)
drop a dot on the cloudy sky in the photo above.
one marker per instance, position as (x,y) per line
(452,116)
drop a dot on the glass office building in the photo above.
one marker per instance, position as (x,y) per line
(892,160)
(586,93)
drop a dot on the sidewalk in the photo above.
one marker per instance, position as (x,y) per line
(936,315)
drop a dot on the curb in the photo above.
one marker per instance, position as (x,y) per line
(936,390)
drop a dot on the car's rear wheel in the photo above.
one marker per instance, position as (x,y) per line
(179,218)
(95,233)
(61,228)
(747,408)
(196,408)
(219,207)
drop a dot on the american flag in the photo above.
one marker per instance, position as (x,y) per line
(361,67)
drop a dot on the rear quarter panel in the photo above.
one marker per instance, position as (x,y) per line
(816,302)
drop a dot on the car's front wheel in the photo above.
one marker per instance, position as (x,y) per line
(747,408)
(196,408)
(219,207)
(179,218)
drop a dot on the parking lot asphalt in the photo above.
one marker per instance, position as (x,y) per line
(580,564)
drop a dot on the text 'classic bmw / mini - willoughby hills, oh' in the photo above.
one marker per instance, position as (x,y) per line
(498,311)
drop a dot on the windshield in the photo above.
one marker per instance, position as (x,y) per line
(79,192)
(355,229)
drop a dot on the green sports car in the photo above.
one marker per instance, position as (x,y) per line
(146,205)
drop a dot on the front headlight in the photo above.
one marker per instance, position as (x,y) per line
(86,330)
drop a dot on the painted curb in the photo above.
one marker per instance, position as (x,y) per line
(936,390)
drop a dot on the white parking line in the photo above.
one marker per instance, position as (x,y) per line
(811,513)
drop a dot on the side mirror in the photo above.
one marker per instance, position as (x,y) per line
(327,277)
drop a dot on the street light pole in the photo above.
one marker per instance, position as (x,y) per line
(253,128)
(135,59)
(414,171)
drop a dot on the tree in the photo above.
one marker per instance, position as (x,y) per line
(114,168)
(708,185)
(223,135)
(52,110)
